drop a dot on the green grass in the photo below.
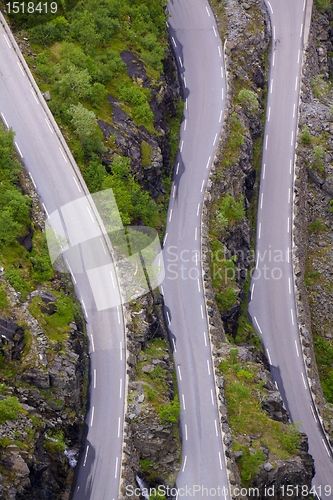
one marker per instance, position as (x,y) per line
(234,142)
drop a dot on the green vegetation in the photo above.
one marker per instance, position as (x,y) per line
(324,5)
(318,158)
(9,409)
(243,392)
(234,142)
(324,358)
(54,442)
(306,138)
(248,100)
(320,86)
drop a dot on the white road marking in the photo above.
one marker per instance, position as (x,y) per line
(94,378)
(113,283)
(49,125)
(186,103)
(198,209)
(174,42)
(207,11)
(296,348)
(185,460)
(294,110)
(216,431)
(92,343)
(261,200)
(185,122)
(165,238)
(300,34)
(299,56)
(276,385)
(186,432)
(85,456)
(177,169)
(208,367)
(174,191)
(84,307)
(201,308)
(183,399)
(255,319)
(296,82)
(118,426)
(288,224)
(292,316)
(304,3)
(116,468)
(103,246)
(4,119)
(70,270)
(168,316)
(212,397)
(118,313)
(170,216)
(199,285)
(120,388)
(221,113)
(328,453)
(266,143)
(220,459)
(202,185)
(259,235)
(313,413)
(7,41)
(46,211)
(252,290)
(205,339)
(34,94)
(269,357)
(77,184)
(214,139)
(92,416)
(180,61)
(214,31)
(18,149)
(292,138)
(63,154)
(264,171)
(180,375)
(289,195)
(273,58)
(89,212)
(162,291)
(289,284)
(181,146)
(222,74)
(21,67)
(270,7)
(208,161)
(185,81)
(271,86)
(121,351)
(174,345)
(219,49)
(273,32)
(32,179)
(288,255)
(269,113)
(303,380)
(196,233)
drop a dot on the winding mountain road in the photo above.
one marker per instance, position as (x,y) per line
(61,188)
(272,305)
(199,56)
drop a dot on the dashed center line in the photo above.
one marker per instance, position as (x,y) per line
(270,7)
(85,456)
(294,110)
(196,233)
(255,319)
(7,41)
(186,432)
(201,308)
(207,11)
(214,139)
(214,31)
(259,232)
(208,367)
(266,143)
(296,348)
(202,185)
(118,313)
(170,216)
(181,146)
(92,416)
(289,284)
(185,460)
(292,316)
(174,345)
(216,430)
(208,161)
(220,118)
(168,316)
(116,468)
(185,122)
(89,212)
(183,400)
(120,388)
(198,209)
(174,42)
(199,285)
(18,149)
(92,343)
(273,58)
(177,170)
(34,94)
(212,397)
(299,56)
(63,154)
(174,191)
(252,290)
(264,171)
(179,372)
(180,61)
(77,184)
(45,210)
(219,49)
(118,426)
(261,199)
(205,338)
(4,119)
(292,138)
(269,357)
(269,113)
(21,68)
(289,195)
(303,380)
(290,166)
(271,86)
(220,459)
(94,378)
(300,34)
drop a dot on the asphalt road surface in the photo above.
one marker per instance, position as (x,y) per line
(199,56)
(58,183)
(272,305)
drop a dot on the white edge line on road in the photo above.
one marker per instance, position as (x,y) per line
(289,195)
(273,32)
(296,349)
(170,216)
(220,118)
(103,248)
(292,316)
(21,67)
(77,184)
(208,162)
(116,468)
(4,119)
(183,400)
(196,234)
(255,319)
(208,367)
(186,103)
(288,224)
(89,212)
(165,238)
(179,372)
(212,397)
(214,31)
(121,351)
(271,86)
(180,61)
(8,43)
(222,93)
(252,290)
(92,343)
(202,185)
(168,316)
(269,357)
(49,125)
(216,431)
(269,114)
(185,123)
(299,56)
(32,179)
(174,345)
(313,413)
(220,459)
(261,200)
(259,232)
(118,313)
(185,460)
(328,453)
(199,285)
(273,58)
(266,143)
(303,380)
(301,30)
(177,169)
(294,110)
(288,255)
(198,209)
(205,339)
(304,4)
(292,138)
(186,432)
(296,82)
(214,139)
(270,7)
(118,426)
(174,191)
(219,49)
(113,283)
(264,171)
(181,146)
(290,166)
(207,11)
(174,42)
(46,211)
(92,416)
(94,378)
(201,308)
(85,456)
(120,388)
(34,94)
(63,154)
(18,149)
